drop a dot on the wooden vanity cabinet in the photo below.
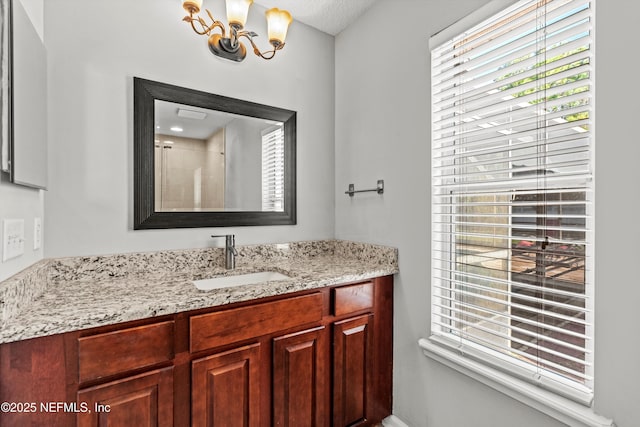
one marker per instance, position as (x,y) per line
(313,358)
(301,368)
(362,352)
(352,370)
(144,400)
(273,378)
(226,388)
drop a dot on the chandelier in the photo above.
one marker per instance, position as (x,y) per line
(229,46)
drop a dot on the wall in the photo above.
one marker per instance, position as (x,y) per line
(383,132)
(17,202)
(92,61)
(243,154)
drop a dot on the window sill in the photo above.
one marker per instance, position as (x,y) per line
(558,407)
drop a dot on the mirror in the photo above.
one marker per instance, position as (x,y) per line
(24,98)
(204,160)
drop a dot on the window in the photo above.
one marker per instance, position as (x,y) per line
(512,193)
(273,170)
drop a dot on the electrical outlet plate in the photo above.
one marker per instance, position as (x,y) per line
(12,238)
(37,233)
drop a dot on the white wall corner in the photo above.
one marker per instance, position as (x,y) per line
(393,421)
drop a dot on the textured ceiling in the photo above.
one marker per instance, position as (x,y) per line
(330,16)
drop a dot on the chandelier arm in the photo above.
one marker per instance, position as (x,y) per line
(256,50)
(205,29)
(216,23)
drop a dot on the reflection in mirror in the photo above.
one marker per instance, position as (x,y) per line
(208,160)
(205,160)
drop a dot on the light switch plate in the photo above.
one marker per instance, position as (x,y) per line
(12,238)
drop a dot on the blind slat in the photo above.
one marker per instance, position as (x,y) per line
(494,326)
(511,37)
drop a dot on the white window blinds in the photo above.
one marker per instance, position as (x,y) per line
(512,142)
(273,170)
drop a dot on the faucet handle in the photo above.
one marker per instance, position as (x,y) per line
(230,241)
(231,238)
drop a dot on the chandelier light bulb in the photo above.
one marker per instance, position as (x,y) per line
(237,11)
(277,23)
(192,6)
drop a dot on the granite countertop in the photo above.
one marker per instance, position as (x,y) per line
(86,292)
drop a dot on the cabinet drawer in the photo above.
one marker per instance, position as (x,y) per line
(228,326)
(120,351)
(352,298)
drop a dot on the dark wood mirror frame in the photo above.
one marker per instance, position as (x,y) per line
(146,92)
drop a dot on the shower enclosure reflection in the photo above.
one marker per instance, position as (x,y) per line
(207,160)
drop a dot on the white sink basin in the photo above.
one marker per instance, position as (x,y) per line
(237,280)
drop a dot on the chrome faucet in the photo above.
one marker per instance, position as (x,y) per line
(230,251)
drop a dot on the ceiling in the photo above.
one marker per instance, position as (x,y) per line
(329,16)
(167,116)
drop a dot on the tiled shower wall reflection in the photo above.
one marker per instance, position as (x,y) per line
(189,173)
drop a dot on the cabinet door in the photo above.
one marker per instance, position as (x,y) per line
(300,379)
(225,389)
(144,400)
(352,376)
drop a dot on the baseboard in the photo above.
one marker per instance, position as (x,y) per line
(393,421)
